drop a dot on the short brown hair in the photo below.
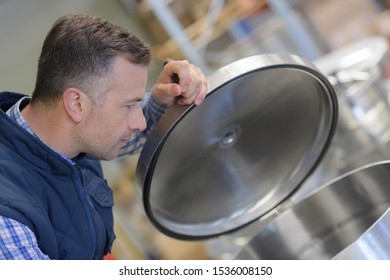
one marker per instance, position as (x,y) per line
(78,52)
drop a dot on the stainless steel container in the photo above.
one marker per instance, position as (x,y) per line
(357,72)
(242,157)
(345,219)
(373,244)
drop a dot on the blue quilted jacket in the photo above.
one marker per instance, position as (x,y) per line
(68,207)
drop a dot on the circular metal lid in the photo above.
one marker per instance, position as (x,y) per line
(263,127)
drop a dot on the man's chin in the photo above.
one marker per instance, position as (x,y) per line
(108,156)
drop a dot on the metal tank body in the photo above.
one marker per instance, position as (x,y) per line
(332,220)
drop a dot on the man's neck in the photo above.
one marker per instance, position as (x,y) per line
(50,127)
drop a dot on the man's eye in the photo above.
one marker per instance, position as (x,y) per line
(133,105)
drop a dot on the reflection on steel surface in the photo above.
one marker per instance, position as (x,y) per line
(374,244)
(330,220)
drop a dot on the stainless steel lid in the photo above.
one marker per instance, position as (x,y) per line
(265,124)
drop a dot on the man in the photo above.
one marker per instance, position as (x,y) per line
(88,104)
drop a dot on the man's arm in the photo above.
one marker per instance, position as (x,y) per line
(18,242)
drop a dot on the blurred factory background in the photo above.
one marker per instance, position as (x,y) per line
(211,34)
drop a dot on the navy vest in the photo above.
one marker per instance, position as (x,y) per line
(68,207)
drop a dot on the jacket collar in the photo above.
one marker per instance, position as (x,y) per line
(26,145)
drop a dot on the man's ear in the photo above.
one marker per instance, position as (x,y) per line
(75,103)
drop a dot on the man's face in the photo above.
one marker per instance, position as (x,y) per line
(109,127)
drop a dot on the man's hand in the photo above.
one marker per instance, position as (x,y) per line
(192,86)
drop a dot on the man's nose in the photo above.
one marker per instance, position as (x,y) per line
(138,121)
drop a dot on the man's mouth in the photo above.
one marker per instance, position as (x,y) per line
(124,141)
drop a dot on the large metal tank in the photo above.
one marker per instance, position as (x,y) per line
(345,219)
(358,73)
(243,159)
